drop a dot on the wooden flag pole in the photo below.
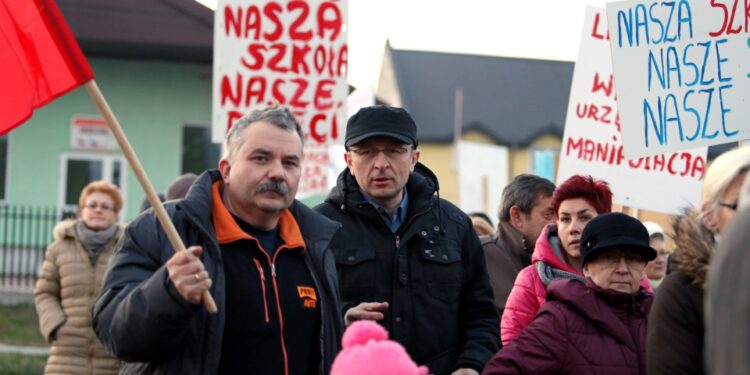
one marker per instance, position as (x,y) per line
(148,188)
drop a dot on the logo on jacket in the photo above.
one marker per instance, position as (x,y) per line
(307,296)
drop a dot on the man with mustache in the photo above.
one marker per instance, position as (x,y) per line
(406,258)
(263,255)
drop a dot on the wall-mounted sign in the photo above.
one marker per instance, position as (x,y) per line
(90,132)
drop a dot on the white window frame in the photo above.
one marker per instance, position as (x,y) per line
(108,161)
(181,146)
(8,164)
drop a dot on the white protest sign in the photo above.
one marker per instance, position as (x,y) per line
(592,141)
(483,172)
(292,53)
(682,70)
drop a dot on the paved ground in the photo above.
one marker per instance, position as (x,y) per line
(28,350)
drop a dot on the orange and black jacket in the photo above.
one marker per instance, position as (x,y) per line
(140,317)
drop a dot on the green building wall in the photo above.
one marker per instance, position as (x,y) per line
(153,101)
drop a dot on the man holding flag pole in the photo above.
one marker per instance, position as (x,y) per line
(40,61)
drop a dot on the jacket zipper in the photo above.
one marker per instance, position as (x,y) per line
(278,310)
(272,263)
(263,286)
(408,222)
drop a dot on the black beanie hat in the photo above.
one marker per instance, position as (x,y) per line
(611,230)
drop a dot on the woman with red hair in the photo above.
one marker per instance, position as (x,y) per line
(557,252)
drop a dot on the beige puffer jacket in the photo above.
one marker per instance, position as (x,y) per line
(65,294)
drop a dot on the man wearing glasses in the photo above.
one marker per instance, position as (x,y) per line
(406,258)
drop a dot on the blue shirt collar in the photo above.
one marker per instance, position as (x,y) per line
(399,215)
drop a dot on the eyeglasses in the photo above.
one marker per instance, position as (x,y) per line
(613,259)
(392,153)
(103,206)
(728,205)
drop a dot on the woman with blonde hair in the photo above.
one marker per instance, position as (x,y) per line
(675,330)
(70,279)
(727,342)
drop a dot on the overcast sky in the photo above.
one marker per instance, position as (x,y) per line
(544,29)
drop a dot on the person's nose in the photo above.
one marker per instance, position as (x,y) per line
(276,171)
(380,161)
(622,265)
(577,226)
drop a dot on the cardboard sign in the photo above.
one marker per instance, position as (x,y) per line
(592,142)
(682,70)
(292,53)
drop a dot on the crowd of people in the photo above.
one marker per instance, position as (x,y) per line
(562,285)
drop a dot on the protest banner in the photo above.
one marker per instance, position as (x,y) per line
(292,53)
(592,141)
(682,72)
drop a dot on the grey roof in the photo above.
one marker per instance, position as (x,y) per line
(151,29)
(512,100)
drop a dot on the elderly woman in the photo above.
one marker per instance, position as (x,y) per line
(70,279)
(675,332)
(596,327)
(556,254)
(657,268)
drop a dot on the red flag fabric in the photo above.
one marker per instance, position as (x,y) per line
(39,59)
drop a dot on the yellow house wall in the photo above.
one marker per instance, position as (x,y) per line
(478,137)
(439,158)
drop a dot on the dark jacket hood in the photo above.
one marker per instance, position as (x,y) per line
(694,244)
(422,182)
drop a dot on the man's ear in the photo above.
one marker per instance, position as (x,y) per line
(224,168)
(515,217)
(414,160)
(348,160)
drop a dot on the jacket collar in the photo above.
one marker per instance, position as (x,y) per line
(198,201)
(313,227)
(507,234)
(603,307)
(421,186)
(549,250)
(227,229)
(694,244)
(67,229)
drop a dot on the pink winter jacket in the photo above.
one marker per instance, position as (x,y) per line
(530,290)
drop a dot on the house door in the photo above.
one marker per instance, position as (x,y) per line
(78,169)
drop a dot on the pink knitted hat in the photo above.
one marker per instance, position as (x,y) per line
(367,351)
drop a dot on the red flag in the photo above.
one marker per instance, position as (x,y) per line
(39,59)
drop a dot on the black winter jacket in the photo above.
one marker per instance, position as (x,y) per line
(140,317)
(431,272)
